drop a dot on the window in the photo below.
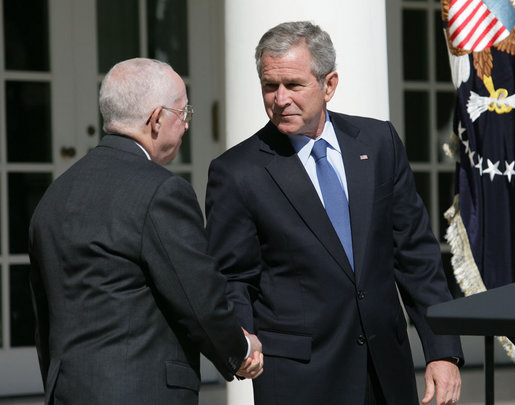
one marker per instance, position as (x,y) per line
(422,106)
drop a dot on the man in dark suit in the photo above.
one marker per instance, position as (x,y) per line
(124,293)
(320,291)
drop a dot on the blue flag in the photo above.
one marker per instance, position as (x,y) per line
(481,233)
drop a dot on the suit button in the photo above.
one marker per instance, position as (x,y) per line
(361,294)
(361,340)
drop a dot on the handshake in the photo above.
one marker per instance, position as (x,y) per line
(252,366)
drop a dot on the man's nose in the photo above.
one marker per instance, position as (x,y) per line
(282,96)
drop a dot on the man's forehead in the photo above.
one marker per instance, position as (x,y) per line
(288,71)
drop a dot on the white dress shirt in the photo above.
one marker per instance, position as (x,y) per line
(303,146)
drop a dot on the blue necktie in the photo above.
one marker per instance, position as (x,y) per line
(335,201)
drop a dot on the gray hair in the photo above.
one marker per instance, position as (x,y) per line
(131,90)
(281,38)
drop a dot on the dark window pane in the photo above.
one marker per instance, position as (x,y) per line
(184,155)
(2,200)
(25,191)
(416,124)
(1,313)
(422,182)
(414,34)
(28,122)
(443,70)
(100,118)
(26,35)
(444,113)
(445,197)
(167,22)
(22,315)
(117,32)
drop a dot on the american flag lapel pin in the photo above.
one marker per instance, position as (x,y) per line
(363,157)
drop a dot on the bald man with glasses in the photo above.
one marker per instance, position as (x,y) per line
(124,293)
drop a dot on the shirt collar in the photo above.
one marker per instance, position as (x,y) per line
(304,144)
(144,150)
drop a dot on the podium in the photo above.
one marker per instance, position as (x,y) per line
(490,313)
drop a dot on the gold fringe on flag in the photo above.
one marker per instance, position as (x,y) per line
(465,269)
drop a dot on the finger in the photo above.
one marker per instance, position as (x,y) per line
(255,366)
(256,373)
(253,373)
(430,391)
(246,363)
(244,367)
(447,394)
(457,392)
(451,392)
(259,373)
(251,364)
(259,359)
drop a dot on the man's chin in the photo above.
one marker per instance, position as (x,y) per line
(287,128)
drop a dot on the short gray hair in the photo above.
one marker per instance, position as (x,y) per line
(281,38)
(131,90)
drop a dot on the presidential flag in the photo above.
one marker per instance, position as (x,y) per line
(481,41)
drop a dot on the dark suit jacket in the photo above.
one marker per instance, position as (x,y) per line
(291,281)
(125,295)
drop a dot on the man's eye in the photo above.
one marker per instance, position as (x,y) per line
(269,86)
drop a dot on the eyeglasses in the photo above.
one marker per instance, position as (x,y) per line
(185,114)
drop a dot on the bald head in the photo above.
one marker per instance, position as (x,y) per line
(132,89)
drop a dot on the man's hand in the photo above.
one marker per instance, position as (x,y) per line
(445,377)
(252,367)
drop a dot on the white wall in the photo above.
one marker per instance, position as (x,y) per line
(358,31)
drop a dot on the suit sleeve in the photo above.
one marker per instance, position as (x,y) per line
(233,239)
(418,267)
(174,252)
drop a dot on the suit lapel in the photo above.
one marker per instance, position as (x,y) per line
(359,173)
(290,175)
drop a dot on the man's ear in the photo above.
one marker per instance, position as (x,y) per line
(330,84)
(155,125)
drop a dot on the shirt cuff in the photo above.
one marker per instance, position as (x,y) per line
(248,348)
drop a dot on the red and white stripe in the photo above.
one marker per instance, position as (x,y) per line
(473,27)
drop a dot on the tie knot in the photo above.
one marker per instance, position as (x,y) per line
(319,150)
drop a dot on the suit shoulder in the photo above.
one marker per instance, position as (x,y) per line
(360,122)
(368,129)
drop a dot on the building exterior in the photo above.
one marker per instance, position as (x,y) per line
(392,63)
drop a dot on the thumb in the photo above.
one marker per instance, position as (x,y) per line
(430,391)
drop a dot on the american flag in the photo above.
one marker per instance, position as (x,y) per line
(481,232)
(473,26)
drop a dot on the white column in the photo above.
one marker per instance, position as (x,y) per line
(358,31)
